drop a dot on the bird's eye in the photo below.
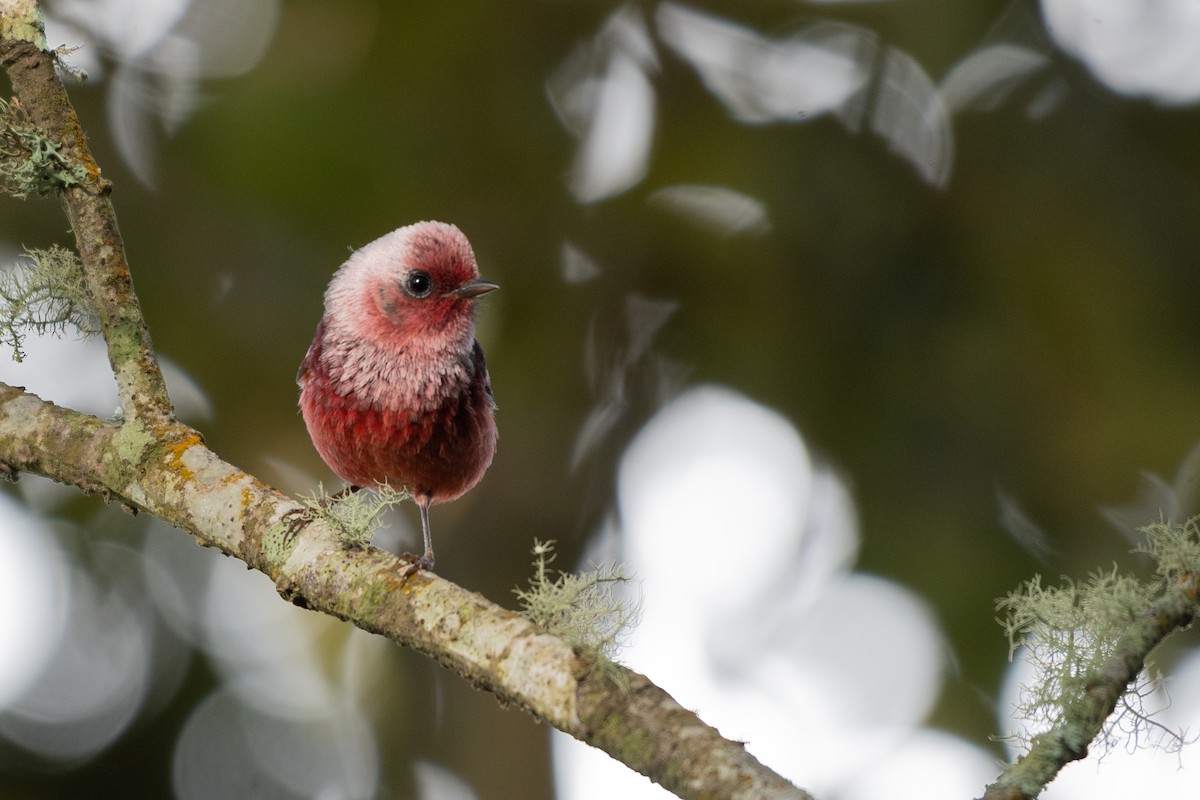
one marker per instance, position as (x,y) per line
(418,283)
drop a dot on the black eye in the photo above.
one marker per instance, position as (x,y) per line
(418,283)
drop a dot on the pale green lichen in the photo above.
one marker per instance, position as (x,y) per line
(1174,548)
(132,441)
(43,292)
(355,514)
(21,21)
(583,609)
(32,164)
(1069,633)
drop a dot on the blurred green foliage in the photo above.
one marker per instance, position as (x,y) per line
(1030,329)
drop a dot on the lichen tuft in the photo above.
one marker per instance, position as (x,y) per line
(44,292)
(583,609)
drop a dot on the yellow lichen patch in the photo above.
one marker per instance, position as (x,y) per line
(413,581)
(175,455)
(248,486)
(90,166)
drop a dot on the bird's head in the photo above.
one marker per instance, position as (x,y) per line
(417,284)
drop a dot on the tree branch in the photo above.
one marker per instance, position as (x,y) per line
(167,471)
(106,276)
(150,462)
(1070,741)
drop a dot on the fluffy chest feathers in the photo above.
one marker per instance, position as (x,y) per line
(418,376)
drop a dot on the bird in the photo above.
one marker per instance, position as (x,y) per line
(394,390)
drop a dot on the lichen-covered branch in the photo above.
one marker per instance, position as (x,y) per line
(164,468)
(148,461)
(43,98)
(1085,718)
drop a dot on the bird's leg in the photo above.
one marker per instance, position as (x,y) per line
(299,518)
(425,561)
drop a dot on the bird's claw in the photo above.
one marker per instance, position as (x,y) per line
(297,520)
(416,563)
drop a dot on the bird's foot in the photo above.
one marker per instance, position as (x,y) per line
(417,563)
(297,520)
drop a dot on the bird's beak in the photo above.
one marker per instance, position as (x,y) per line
(475,288)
